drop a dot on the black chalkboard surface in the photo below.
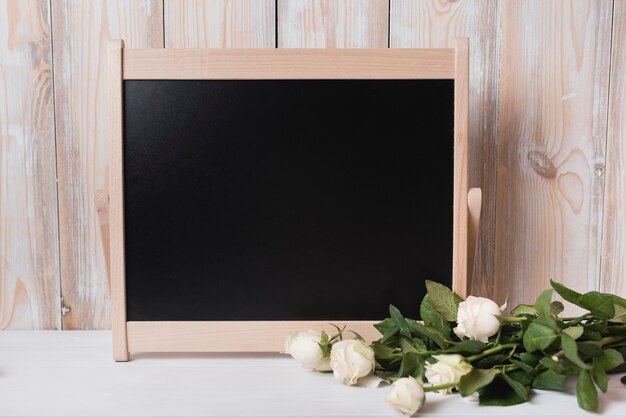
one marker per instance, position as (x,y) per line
(285,199)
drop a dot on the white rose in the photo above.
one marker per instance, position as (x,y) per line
(448,369)
(351,360)
(304,348)
(476,319)
(407,395)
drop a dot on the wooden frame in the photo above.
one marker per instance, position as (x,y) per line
(258,336)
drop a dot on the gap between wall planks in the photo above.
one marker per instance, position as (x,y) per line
(614,228)
(527,254)
(29,252)
(552,138)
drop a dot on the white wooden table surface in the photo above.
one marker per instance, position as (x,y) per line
(71,373)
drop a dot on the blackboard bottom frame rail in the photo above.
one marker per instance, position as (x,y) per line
(228,336)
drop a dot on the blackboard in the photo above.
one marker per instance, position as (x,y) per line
(285,199)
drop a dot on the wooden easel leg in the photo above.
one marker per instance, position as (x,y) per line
(474,205)
(102,209)
(116,270)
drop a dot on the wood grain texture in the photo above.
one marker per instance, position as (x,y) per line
(552,134)
(228,336)
(29,251)
(614,225)
(461,166)
(220,23)
(117,266)
(474,206)
(364,63)
(333,23)
(81,32)
(436,24)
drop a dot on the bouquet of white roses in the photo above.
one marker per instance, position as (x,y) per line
(470,347)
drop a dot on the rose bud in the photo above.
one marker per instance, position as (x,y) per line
(351,360)
(448,369)
(476,319)
(407,395)
(304,348)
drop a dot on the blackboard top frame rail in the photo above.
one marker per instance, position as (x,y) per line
(277,64)
(285,64)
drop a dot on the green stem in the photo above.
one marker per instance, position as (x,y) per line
(440,387)
(512,319)
(428,353)
(491,351)
(616,327)
(509,368)
(610,340)
(576,319)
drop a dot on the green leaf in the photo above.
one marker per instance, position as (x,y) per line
(619,300)
(622,367)
(538,337)
(519,389)
(598,304)
(588,350)
(468,347)
(491,361)
(521,376)
(542,305)
(384,326)
(382,352)
(619,304)
(563,366)
(570,349)
(599,375)
(548,321)
(499,394)
(400,321)
(419,344)
(620,313)
(550,380)
(432,318)
(522,366)
(524,310)
(611,359)
(391,332)
(411,346)
(556,308)
(431,333)
(591,334)
(566,293)
(412,365)
(444,300)
(586,392)
(529,358)
(476,379)
(574,332)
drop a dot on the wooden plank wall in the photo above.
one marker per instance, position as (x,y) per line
(81,30)
(547,130)
(552,131)
(29,248)
(614,221)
